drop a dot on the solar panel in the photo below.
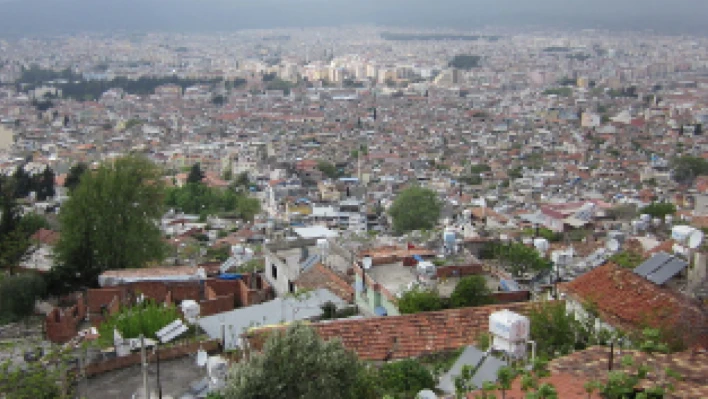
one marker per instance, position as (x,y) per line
(667,271)
(653,264)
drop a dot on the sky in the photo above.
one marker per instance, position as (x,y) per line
(38,17)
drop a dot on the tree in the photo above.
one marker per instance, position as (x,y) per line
(195,174)
(18,295)
(22,182)
(659,209)
(405,378)
(74,176)
(415,208)
(558,332)
(45,184)
(521,258)
(328,169)
(297,363)
(419,300)
(687,168)
(109,222)
(471,291)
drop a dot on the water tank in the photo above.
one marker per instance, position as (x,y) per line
(541,245)
(190,309)
(509,325)
(681,233)
(449,238)
(645,218)
(426,269)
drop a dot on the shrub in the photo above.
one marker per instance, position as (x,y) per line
(18,295)
(146,318)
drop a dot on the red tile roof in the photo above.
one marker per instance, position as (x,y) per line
(45,236)
(567,386)
(319,276)
(416,334)
(592,364)
(625,299)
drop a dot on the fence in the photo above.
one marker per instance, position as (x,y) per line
(173,351)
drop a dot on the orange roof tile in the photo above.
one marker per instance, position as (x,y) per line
(627,300)
(416,334)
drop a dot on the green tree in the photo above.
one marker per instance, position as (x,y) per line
(471,291)
(415,208)
(109,222)
(659,209)
(328,169)
(505,376)
(405,378)
(45,379)
(419,300)
(521,258)
(74,176)
(18,295)
(195,174)
(297,363)
(45,185)
(686,169)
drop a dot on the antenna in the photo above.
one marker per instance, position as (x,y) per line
(695,239)
(367,262)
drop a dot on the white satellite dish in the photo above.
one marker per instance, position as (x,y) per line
(367,262)
(613,245)
(669,219)
(645,218)
(202,358)
(656,221)
(695,239)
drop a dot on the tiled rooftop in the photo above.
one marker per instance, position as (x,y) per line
(415,334)
(592,364)
(320,276)
(627,300)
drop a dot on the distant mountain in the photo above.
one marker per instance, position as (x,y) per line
(40,17)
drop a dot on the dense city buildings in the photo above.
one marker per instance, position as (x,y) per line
(556,166)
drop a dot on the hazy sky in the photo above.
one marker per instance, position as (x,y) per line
(28,17)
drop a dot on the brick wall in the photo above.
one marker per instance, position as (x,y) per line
(182,291)
(223,287)
(168,353)
(96,298)
(220,304)
(150,289)
(511,297)
(459,271)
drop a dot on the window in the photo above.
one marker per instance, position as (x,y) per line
(291,287)
(274,271)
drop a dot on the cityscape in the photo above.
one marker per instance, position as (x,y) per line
(354,211)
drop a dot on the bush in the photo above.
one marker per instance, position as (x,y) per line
(405,378)
(419,300)
(146,318)
(471,291)
(18,295)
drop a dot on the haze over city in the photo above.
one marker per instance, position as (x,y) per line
(64,16)
(353,199)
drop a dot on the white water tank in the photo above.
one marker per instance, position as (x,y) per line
(510,332)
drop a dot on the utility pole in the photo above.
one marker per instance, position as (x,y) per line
(143,357)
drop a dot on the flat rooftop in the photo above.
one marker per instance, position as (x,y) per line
(392,276)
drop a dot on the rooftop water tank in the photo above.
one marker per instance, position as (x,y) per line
(509,325)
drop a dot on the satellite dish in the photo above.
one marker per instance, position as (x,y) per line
(669,219)
(613,245)
(202,358)
(695,239)
(367,262)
